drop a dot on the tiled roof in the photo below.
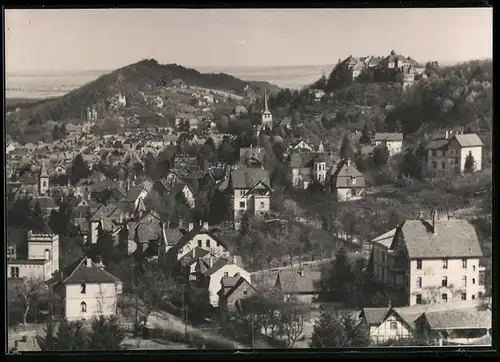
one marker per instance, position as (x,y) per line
(218,264)
(345,172)
(388,136)
(248,177)
(239,281)
(78,273)
(375,316)
(464,318)
(437,144)
(453,238)
(468,140)
(292,282)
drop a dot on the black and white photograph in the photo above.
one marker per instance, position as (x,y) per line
(248,178)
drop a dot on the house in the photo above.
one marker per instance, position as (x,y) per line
(196,237)
(448,155)
(41,261)
(87,289)
(389,323)
(219,269)
(431,261)
(306,168)
(252,156)
(232,290)
(465,326)
(250,189)
(300,145)
(393,142)
(305,286)
(240,111)
(346,182)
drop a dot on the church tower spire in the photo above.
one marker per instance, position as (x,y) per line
(266,109)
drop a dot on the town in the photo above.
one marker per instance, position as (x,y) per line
(159,207)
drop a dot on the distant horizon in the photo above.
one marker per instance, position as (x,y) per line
(196,67)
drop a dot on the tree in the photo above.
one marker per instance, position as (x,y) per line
(470,163)
(70,336)
(56,133)
(37,220)
(365,136)
(79,169)
(333,329)
(28,293)
(292,320)
(346,149)
(149,164)
(380,156)
(106,334)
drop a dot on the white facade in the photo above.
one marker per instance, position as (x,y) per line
(349,194)
(44,247)
(461,276)
(228,270)
(29,270)
(391,328)
(203,241)
(394,147)
(451,158)
(98,299)
(256,200)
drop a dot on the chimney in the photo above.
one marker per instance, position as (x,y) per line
(301,272)
(389,304)
(190,226)
(205,225)
(447,134)
(88,262)
(99,263)
(348,162)
(210,261)
(433,216)
(420,215)
(193,252)
(235,259)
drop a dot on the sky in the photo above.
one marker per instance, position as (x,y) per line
(98,39)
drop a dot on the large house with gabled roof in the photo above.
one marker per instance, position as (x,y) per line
(346,182)
(429,260)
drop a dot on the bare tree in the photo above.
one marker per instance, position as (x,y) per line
(27,293)
(292,320)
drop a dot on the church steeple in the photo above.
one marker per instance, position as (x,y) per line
(43,180)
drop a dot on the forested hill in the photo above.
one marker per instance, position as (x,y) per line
(131,79)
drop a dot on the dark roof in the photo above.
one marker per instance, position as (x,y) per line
(248,177)
(78,272)
(233,283)
(219,263)
(437,144)
(453,238)
(196,253)
(388,136)
(45,202)
(374,316)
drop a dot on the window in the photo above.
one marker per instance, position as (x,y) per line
(419,264)
(83,306)
(473,297)
(394,325)
(419,299)
(444,282)
(444,297)
(242,192)
(207,243)
(353,180)
(242,204)
(44,183)
(473,281)
(434,153)
(464,296)
(226,274)
(353,192)
(83,288)
(443,164)
(464,263)
(434,164)
(419,282)
(245,292)
(14,272)
(261,205)
(464,281)
(199,243)
(445,264)
(473,268)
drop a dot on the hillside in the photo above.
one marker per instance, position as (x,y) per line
(129,80)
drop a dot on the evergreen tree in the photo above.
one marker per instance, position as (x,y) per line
(380,156)
(79,169)
(37,221)
(56,133)
(365,136)
(346,149)
(149,164)
(470,163)
(70,336)
(106,334)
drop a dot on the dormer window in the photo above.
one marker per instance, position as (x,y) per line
(353,180)
(83,288)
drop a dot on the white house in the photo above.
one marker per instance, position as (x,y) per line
(42,259)
(219,269)
(251,192)
(393,142)
(430,261)
(346,182)
(87,289)
(448,155)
